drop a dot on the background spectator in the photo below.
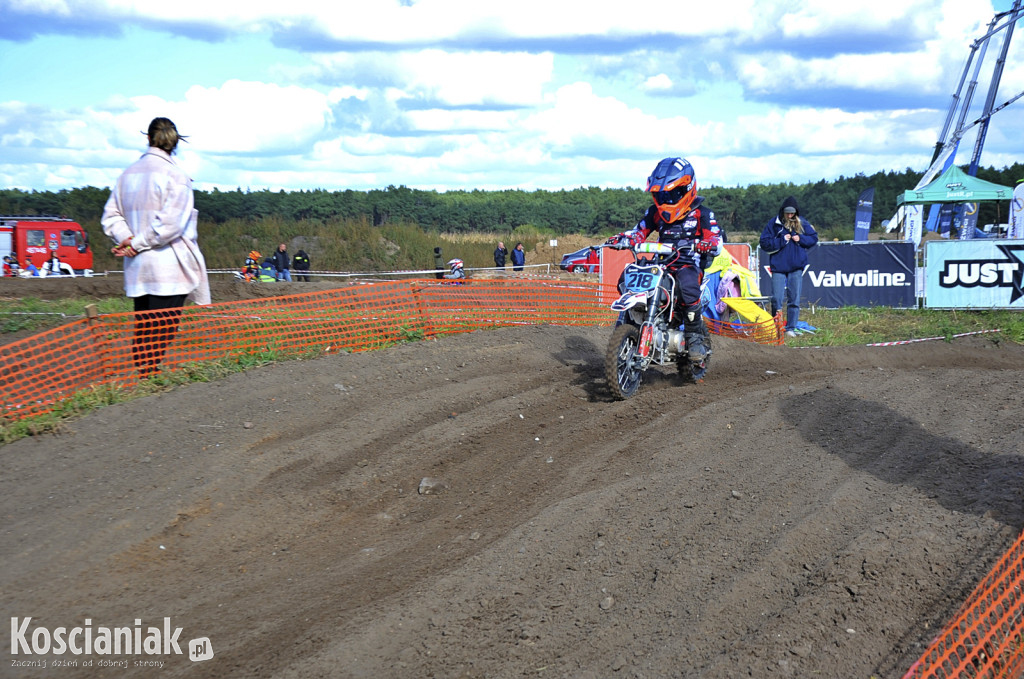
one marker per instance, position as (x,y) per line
(518,257)
(52,267)
(282,263)
(300,262)
(500,253)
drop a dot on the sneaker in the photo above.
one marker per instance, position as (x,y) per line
(792,333)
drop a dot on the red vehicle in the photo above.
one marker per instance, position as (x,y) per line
(36,239)
(585,260)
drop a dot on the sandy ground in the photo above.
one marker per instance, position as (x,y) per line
(801,513)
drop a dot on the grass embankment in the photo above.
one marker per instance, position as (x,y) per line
(343,244)
(34,315)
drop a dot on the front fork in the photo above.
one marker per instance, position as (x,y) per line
(646,345)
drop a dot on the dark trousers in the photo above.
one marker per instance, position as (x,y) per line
(155,328)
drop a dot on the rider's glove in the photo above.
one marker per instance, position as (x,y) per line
(706,247)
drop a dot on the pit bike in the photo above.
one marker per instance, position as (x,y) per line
(647,331)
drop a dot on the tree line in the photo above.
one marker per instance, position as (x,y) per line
(830,205)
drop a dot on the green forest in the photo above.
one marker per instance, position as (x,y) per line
(397,226)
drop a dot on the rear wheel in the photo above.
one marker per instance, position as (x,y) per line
(621,364)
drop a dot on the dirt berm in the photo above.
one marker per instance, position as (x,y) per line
(802,513)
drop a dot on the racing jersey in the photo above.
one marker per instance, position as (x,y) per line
(699,225)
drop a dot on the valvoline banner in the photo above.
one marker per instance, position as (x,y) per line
(974,274)
(877,273)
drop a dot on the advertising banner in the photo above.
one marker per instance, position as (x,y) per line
(968,227)
(974,274)
(946,219)
(878,273)
(862,220)
(1017,212)
(912,228)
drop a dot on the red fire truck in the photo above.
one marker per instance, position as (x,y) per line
(36,239)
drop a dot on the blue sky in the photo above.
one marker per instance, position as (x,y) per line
(460,94)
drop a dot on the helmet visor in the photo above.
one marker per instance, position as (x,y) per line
(671,197)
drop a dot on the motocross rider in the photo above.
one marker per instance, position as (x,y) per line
(456,270)
(682,221)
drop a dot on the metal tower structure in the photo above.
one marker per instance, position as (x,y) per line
(948,141)
(1002,23)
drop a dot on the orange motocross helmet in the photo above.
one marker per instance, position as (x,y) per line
(673,186)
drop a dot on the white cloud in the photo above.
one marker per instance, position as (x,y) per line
(658,83)
(461,94)
(471,78)
(422,22)
(442,120)
(930,46)
(578,119)
(244,117)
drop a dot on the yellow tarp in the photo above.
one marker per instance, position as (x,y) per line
(747,310)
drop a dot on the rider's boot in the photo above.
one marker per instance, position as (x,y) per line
(693,326)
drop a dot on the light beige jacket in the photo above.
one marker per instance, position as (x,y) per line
(153,205)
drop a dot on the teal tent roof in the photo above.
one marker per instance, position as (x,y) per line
(955,186)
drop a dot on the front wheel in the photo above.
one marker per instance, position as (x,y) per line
(621,364)
(579,269)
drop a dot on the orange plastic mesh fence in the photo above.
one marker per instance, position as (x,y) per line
(41,372)
(984,639)
(766,332)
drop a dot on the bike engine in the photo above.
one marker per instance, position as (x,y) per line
(676,342)
(670,343)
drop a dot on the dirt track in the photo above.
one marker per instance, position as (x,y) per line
(804,513)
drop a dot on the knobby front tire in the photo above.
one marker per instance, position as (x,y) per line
(620,362)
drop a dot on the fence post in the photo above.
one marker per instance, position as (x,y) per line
(92,315)
(425,318)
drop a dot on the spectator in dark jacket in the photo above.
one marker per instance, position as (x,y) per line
(500,253)
(518,257)
(786,239)
(300,262)
(282,263)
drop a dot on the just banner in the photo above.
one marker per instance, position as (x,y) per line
(877,273)
(974,274)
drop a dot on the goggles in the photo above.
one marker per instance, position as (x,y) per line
(671,197)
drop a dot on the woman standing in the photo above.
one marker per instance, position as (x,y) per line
(786,239)
(150,217)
